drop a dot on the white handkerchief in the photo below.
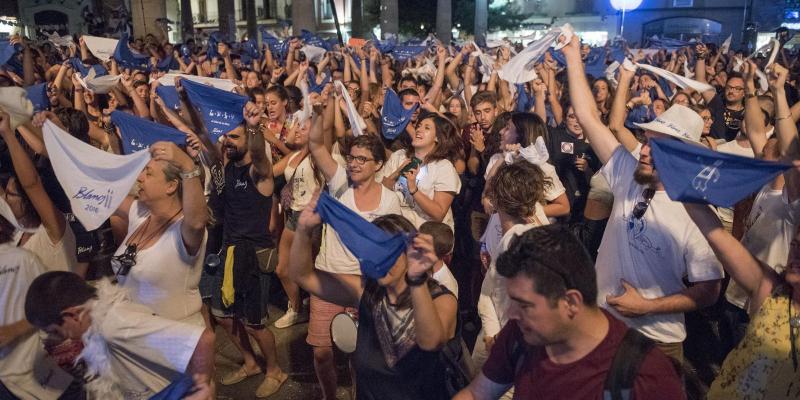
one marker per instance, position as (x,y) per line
(356,122)
(763,82)
(304,113)
(567,32)
(486,64)
(14,101)
(536,153)
(58,40)
(224,84)
(102,48)
(95,182)
(313,53)
(99,85)
(776,48)
(681,81)
(686,71)
(610,70)
(726,45)
(630,66)
(520,68)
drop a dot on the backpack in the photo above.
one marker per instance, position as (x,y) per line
(624,367)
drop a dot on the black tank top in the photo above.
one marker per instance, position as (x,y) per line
(247,211)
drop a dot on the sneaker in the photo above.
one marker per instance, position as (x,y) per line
(291,317)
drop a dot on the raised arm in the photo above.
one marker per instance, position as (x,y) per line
(599,136)
(342,289)
(195,212)
(316,143)
(29,180)
(438,81)
(619,111)
(753,117)
(756,279)
(700,71)
(139,105)
(261,169)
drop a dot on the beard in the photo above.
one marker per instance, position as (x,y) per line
(644,178)
(234,154)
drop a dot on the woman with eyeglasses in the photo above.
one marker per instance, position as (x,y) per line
(160,260)
(424,175)
(355,186)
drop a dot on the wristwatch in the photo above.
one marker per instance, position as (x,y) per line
(191,174)
(418,281)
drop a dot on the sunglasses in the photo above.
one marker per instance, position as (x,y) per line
(641,207)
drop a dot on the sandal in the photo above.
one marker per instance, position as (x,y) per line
(237,376)
(271,384)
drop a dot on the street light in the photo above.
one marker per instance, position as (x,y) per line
(624,5)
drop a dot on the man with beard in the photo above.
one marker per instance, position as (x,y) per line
(558,343)
(650,243)
(727,115)
(247,200)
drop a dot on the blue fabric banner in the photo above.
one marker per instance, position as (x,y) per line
(37,94)
(170,96)
(221,110)
(139,133)
(394,117)
(694,174)
(375,250)
(127,59)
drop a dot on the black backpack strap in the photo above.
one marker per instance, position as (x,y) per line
(625,366)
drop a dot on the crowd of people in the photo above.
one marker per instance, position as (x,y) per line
(156,196)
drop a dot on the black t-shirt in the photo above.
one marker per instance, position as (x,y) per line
(727,122)
(247,211)
(564,148)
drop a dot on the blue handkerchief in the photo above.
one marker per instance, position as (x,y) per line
(221,110)
(694,174)
(139,133)
(375,250)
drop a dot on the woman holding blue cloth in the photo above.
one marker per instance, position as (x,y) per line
(405,318)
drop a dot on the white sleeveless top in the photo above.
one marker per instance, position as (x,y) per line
(304,181)
(165,277)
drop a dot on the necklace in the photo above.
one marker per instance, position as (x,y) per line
(139,234)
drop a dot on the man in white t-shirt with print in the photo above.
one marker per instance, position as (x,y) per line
(650,243)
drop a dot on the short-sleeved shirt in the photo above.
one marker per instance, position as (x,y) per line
(653,253)
(542,379)
(25,368)
(432,177)
(333,256)
(563,148)
(727,122)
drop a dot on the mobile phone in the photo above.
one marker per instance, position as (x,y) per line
(415,162)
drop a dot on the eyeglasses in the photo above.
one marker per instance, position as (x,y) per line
(707,118)
(124,262)
(734,88)
(360,160)
(641,207)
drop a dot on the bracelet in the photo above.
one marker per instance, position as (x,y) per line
(782,118)
(418,281)
(194,173)
(749,95)
(414,192)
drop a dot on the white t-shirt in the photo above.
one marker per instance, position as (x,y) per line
(653,253)
(769,230)
(551,193)
(61,256)
(436,176)
(303,181)
(25,369)
(446,279)
(493,302)
(333,255)
(166,277)
(145,352)
(732,147)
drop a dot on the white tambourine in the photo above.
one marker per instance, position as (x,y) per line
(344,331)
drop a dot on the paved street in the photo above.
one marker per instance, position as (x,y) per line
(294,356)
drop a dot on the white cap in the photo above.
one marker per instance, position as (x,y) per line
(679,122)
